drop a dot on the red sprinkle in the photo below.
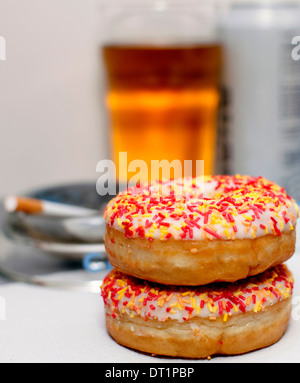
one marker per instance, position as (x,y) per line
(214,233)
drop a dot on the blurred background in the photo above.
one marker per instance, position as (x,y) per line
(84,80)
(160,79)
(51,125)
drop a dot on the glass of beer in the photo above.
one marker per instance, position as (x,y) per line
(163,67)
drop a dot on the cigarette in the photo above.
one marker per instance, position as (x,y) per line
(14,204)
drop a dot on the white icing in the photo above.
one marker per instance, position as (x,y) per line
(284,211)
(172,309)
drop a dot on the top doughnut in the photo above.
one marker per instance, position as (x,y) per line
(200,230)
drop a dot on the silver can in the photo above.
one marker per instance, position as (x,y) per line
(262,86)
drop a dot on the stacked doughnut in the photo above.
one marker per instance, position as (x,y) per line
(199,265)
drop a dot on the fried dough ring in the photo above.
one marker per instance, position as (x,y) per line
(196,322)
(241,227)
(193,263)
(200,338)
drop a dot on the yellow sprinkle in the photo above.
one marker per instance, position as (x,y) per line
(257,306)
(120,282)
(122,291)
(121,296)
(266,230)
(210,308)
(225,317)
(194,303)
(281,224)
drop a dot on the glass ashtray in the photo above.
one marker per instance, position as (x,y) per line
(41,250)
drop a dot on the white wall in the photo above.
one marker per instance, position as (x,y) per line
(51,125)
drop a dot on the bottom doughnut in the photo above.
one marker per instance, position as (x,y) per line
(198,322)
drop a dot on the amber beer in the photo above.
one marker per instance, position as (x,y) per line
(163,102)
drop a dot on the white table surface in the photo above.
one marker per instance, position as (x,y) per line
(48,325)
